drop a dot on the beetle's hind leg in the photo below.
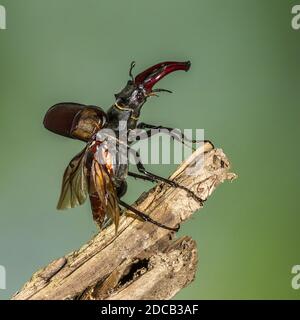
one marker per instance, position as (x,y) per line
(145,217)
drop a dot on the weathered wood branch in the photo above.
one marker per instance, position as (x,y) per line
(142,261)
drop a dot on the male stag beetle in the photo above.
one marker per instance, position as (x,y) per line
(93,172)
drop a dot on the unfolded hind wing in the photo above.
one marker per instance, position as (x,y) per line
(74,189)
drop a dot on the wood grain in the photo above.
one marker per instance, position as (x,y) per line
(141,261)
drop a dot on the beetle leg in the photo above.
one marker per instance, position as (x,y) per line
(174,136)
(145,217)
(140,176)
(153,92)
(161,90)
(174,133)
(156,178)
(150,133)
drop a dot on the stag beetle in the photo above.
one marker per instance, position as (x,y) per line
(93,172)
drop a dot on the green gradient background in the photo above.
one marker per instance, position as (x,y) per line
(243,89)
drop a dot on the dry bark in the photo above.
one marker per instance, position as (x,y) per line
(142,261)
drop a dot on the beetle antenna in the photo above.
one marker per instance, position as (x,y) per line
(132,65)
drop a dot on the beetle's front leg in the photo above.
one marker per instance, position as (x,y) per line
(176,134)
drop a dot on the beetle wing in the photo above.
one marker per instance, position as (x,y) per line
(74,120)
(83,177)
(103,192)
(74,189)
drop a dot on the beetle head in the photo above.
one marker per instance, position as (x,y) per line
(138,89)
